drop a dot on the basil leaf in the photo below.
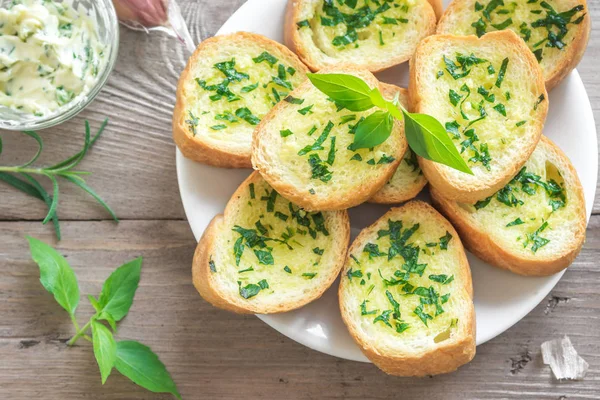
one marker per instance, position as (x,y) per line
(373,130)
(346,90)
(428,138)
(118,290)
(55,275)
(105,349)
(142,366)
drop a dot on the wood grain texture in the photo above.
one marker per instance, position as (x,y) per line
(214,354)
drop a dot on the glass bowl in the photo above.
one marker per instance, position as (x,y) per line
(103,12)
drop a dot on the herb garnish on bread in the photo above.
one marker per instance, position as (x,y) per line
(228,86)
(368,34)
(535,225)
(406,294)
(304,149)
(267,255)
(408,179)
(489,93)
(556,32)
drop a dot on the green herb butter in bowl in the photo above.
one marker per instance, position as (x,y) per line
(54,59)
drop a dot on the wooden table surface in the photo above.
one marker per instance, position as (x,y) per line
(213,354)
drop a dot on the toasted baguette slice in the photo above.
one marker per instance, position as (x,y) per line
(528,19)
(408,180)
(324,33)
(331,177)
(489,93)
(528,228)
(266,255)
(229,84)
(406,294)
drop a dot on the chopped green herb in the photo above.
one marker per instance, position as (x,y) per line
(318,251)
(521,123)
(266,56)
(443,279)
(293,100)
(246,270)
(444,240)
(309,275)
(249,88)
(286,133)
(306,110)
(218,127)
(454,97)
(517,221)
(252,195)
(363,309)
(287,269)
(303,23)
(500,108)
(331,154)
(502,72)
(245,114)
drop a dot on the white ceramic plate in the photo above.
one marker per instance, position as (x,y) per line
(501,298)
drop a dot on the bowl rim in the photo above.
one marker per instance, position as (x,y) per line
(77,106)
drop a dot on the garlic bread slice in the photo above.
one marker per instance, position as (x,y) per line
(489,94)
(408,179)
(557,32)
(366,34)
(228,86)
(303,149)
(266,255)
(406,294)
(535,225)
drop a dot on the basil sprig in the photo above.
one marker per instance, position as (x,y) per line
(426,136)
(130,358)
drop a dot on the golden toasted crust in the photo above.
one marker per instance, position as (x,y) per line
(294,42)
(572,54)
(485,246)
(208,288)
(195,147)
(443,357)
(438,8)
(303,198)
(437,174)
(397,192)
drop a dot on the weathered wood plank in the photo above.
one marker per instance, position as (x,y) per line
(214,354)
(133,165)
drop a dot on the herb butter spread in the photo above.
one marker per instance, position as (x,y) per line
(399,281)
(231,96)
(544,25)
(484,110)
(529,208)
(270,245)
(347,29)
(49,55)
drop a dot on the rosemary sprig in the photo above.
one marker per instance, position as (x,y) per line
(22,177)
